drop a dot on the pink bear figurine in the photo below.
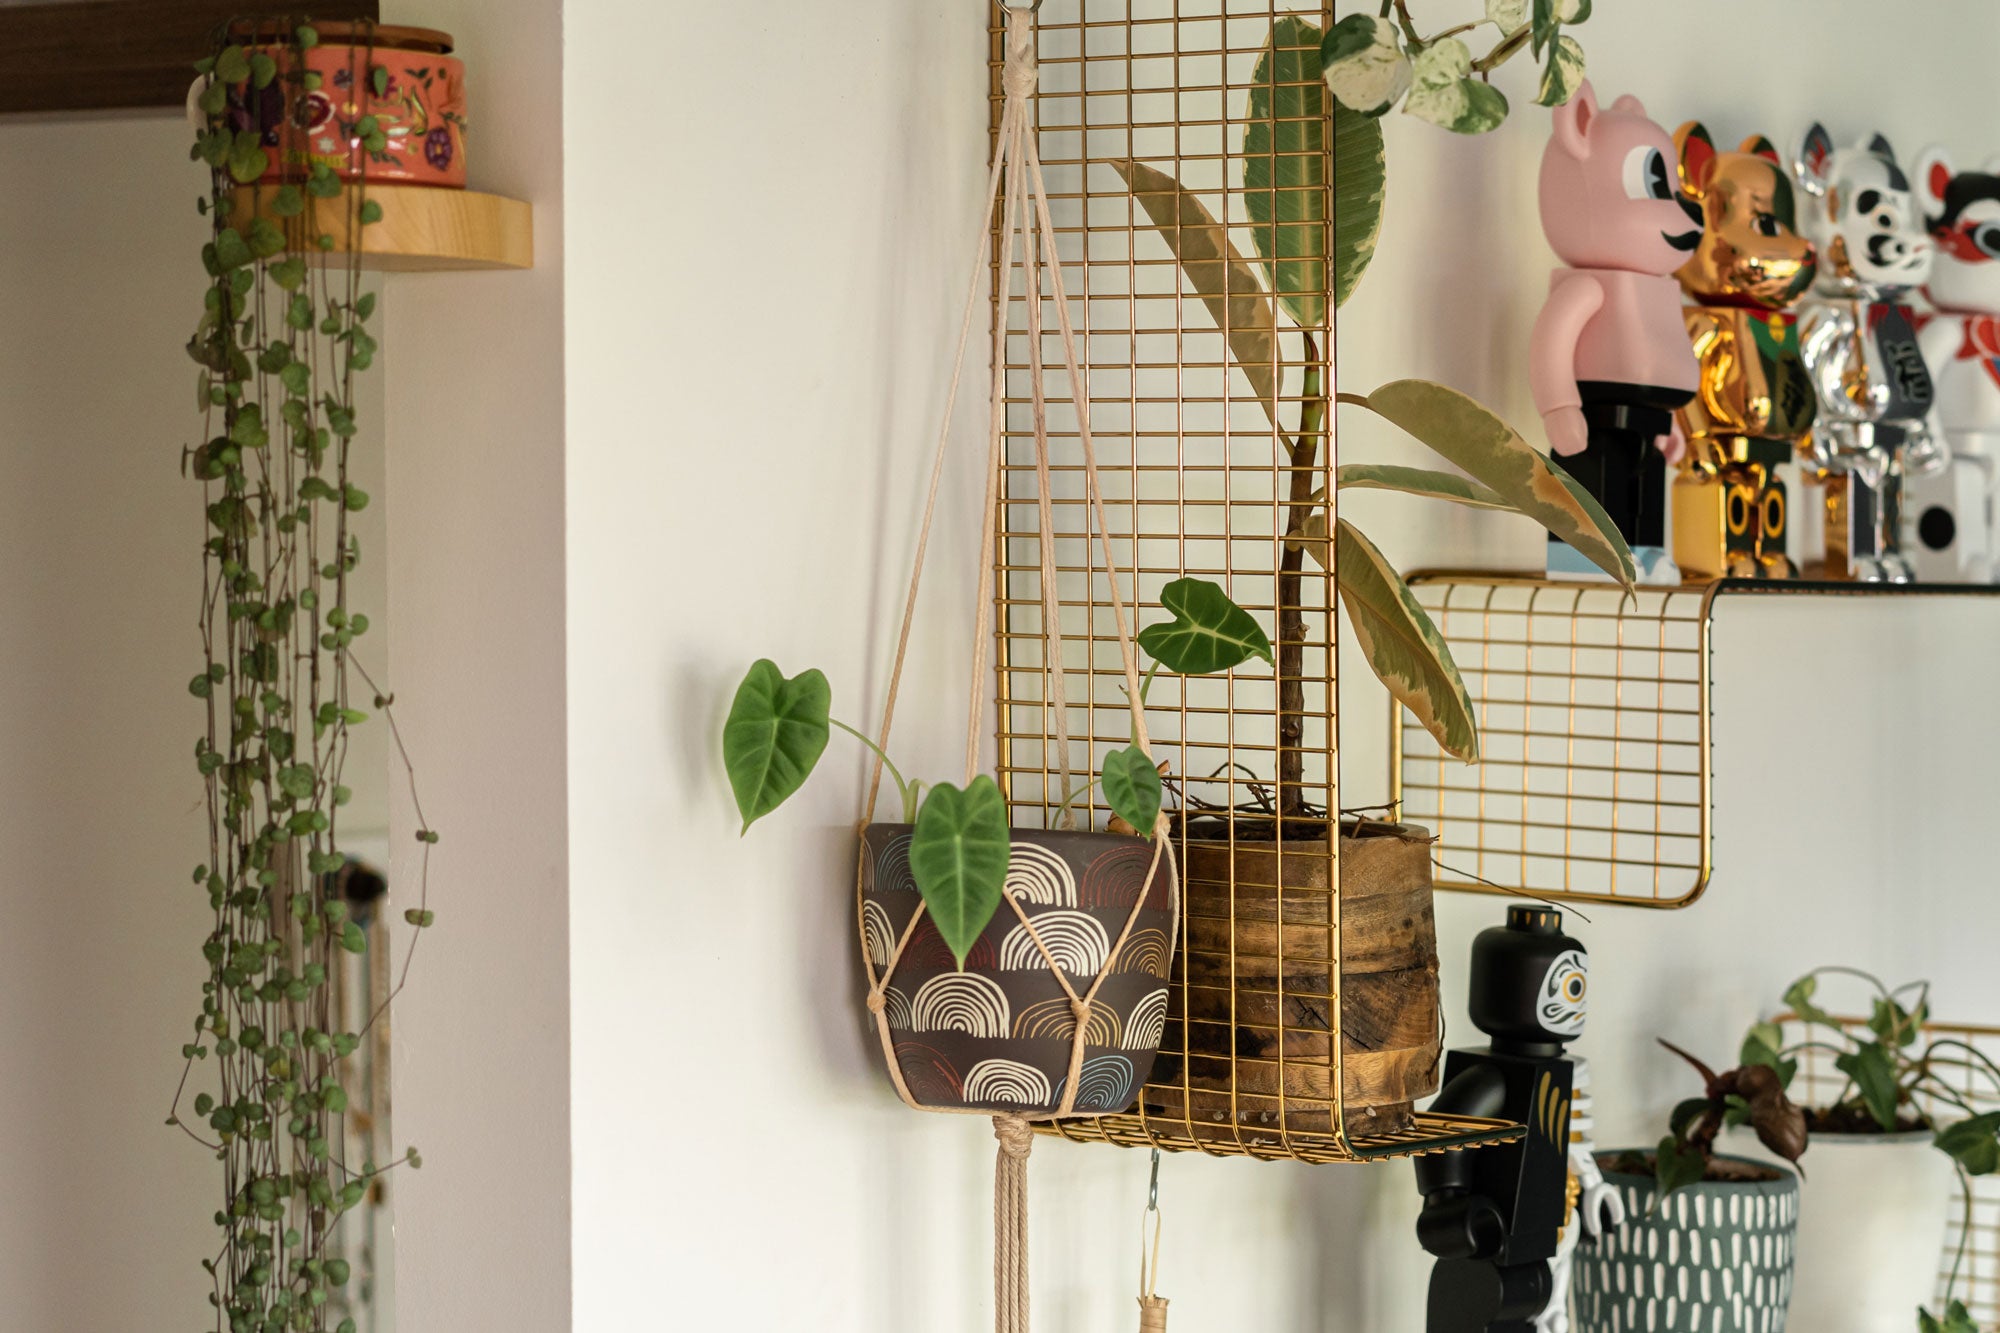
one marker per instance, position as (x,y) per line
(1611,359)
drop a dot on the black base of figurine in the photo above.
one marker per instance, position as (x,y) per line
(1622,466)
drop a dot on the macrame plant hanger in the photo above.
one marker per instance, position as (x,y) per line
(1016,187)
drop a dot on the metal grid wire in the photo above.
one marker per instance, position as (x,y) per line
(1593,713)
(1819,1084)
(1196,481)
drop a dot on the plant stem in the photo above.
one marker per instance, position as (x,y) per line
(1509,46)
(905,789)
(1304,454)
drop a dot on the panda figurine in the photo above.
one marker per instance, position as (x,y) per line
(1860,344)
(1494,1217)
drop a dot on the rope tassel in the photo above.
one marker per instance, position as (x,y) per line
(1010,1224)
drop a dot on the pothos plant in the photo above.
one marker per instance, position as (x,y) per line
(281,339)
(779,726)
(1893,1074)
(1374,61)
(1296,134)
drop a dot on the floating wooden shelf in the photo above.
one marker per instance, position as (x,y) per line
(423,229)
(1596,781)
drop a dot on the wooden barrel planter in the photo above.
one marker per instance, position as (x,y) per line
(1258,995)
(998,1035)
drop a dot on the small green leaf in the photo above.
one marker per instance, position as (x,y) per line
(1402,645)
(307,37)
(1544,22)
(230,251)
(1476,440)
(1799,999)
(232,65)
(1506,15)
(1562,74)
(263,69)
(296,378)
(958,856)
(1132,788)
(1873,1070)
(776,732)
(215,97)
(1209,633)
(371,212)
(1685,1114)
(1973,1144)
(352,939)
(1422,482)
(1676,1167)
(247,159)
(378,79)
(287,201)
(420,918)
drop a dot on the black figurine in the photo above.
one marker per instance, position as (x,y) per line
(1493,1216)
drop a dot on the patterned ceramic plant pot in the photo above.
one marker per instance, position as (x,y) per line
(406,78)
(1715,1257)
(997,1036)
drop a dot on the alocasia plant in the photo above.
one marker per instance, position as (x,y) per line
(779,726)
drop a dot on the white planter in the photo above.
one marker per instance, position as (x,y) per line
(1873,1210)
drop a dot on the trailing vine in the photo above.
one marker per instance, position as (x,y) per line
(282,337)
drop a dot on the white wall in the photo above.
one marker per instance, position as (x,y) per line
(475,445)
(758,318)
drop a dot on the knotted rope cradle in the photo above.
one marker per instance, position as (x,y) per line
(1017,189)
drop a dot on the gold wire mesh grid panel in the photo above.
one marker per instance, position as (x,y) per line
(1819,1083)
(1199,478)
(1594,723)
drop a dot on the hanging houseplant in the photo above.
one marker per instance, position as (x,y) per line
(1298,136)
(280,342)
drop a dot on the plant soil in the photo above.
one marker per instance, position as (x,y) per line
(1855,1120)
(1215,826)
(1721,1170)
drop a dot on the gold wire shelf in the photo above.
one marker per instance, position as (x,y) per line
(1198,481)
(1978,1285)
(1595,713)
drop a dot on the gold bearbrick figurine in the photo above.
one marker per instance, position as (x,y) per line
(1753,408)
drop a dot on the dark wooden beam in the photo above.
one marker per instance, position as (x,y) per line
(101,54)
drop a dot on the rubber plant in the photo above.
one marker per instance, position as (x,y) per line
(778,727)
(281,339)
(1892,1073)
(1296,132)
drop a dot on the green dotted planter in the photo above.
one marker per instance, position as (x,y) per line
(1712,1258)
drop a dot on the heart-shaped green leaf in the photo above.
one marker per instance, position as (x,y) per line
(1799,999)
(1209,633)
(1874,1073)
(1973,1144)
(1285,162)
(1132,787)
(1424,482)
(1675,1166)
(1362,60)
(958,856)
(1227,285)
(1490,450)
(776,731)
(1402,645)
(1562,74)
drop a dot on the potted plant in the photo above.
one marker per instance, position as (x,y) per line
(1707,1242)
(986,943)
(1911,1113)
(1242,861)
(279,344)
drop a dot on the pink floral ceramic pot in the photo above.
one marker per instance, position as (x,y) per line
(405,78)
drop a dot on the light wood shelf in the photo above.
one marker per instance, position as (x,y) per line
(423,229)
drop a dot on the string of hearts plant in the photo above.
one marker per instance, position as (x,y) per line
(1297,133)
(280,342)
(779,726)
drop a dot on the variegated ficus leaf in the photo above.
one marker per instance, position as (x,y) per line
(1493,453)
(1285,162)
(1360,183)
(1227,285)
(1403,646)
(1422,482)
